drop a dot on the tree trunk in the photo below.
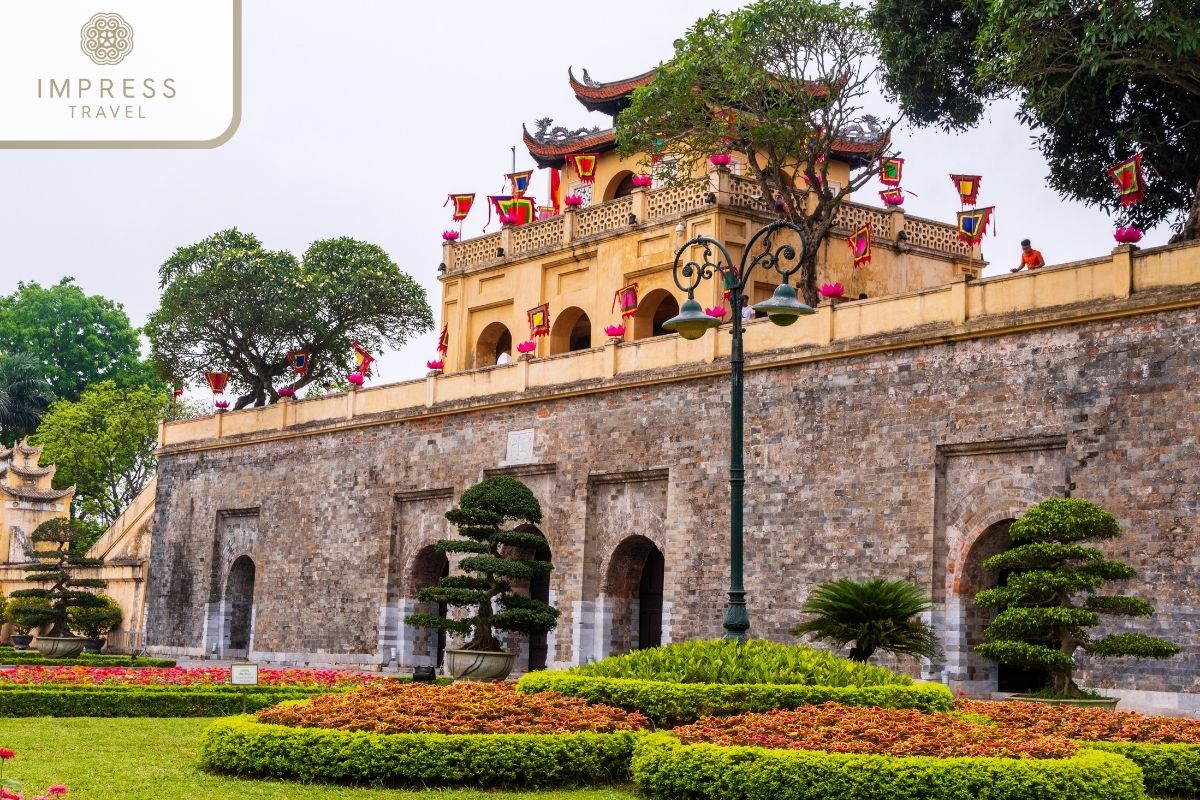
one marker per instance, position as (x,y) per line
(1191,226)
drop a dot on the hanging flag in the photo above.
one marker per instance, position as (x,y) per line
(298,359)
(462,205)
(362,359)
(967,187)
(729,280)
(545,212)
(555,182)
(217,381)
(627,298)
(860,245)
(1130,181)
(443,345)
(514,210)
(177,389)
(585,166)
(972,225)
(539,320)
(890,171)
(520,182)
(892,197)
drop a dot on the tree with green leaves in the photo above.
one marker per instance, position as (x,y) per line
(229,304)
(1096,81)
(486,590)
(78,339)
(26,613)
(782,82)
(103,444)
(875,614)
(24,396)
(55,565)
(1051,595)
(94,621)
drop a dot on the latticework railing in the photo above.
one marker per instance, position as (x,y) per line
(476,251)
(935,235)
(537,235)
(604,217)
(673,200)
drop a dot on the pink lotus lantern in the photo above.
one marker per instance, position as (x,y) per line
(721,159)
(1128,234)
(832,290)
(615,331)
(436,364)
(573,200)
(508,219)
(355,378)
(286,391)
(450,236)
(221,405)
(642,181)
(718,312)
(526,347)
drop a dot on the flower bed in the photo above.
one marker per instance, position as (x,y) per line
(178,676)
(665,768)
(836,728)
(467,734)
(1166,748)
(461,708)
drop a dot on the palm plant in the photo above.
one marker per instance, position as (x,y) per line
(876,614)
(24,396)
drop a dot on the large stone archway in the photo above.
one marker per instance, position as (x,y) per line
(239,609)
(633,591)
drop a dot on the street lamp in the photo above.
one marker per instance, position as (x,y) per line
(784,308)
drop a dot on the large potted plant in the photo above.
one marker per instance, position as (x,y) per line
(1052,596)
(25,614)
(94,622)
(54,565)
(490,565)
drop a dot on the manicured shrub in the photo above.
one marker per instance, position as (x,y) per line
(665,768)
(670,704)
(142,701)
(461,708)
(836,728)
(756,661)
(31,658)
(180,676)
(244,746)
(1166,748)
(875,614)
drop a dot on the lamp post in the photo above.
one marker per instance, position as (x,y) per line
(784,308)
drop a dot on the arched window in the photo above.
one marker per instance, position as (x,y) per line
(572,331)
(620,186)
(429,566)
(239,607)
(494,340)
(653,310)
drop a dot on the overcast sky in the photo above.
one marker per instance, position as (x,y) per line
(359,116)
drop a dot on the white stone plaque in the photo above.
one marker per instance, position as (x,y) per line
(520,447)
(244,675)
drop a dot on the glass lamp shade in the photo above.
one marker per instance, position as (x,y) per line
(692,322)
(784,307)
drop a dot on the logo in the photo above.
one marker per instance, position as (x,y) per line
(106,39)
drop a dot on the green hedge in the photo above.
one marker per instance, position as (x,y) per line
(48,700)
(1169,769)
(243,746)
(671,704)
(665,769)
(32,658)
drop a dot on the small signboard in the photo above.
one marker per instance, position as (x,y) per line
(244,675)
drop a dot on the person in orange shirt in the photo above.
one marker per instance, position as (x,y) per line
(1030,259)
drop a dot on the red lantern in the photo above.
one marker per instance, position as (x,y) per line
(217,381)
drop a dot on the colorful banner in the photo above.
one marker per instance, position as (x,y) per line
(217,381)
(585,166)
(539,320)
(362,359)
(443,345)
(555,182)
(891,170)
(627,298)
(514,210)
(177,389)
(1130,180)
(298,360)
(860,245)
(519,182)
(967,187)
(972,225)
(462,205)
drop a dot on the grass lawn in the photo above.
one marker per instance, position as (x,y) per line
(155,759)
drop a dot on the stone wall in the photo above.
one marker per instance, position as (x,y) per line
(906,462)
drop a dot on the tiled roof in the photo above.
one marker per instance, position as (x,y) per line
(606,97)
(36,495)
(553,154)
(25,472)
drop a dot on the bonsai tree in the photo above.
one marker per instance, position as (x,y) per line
(876,614)
(26,613)
(1051,596)
(94,622)
(54,567)
(486,590)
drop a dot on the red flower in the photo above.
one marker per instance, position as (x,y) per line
(6,754)
(57,789)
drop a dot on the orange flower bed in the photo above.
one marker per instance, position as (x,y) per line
(835,728)
(1085,724)
(461,708)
